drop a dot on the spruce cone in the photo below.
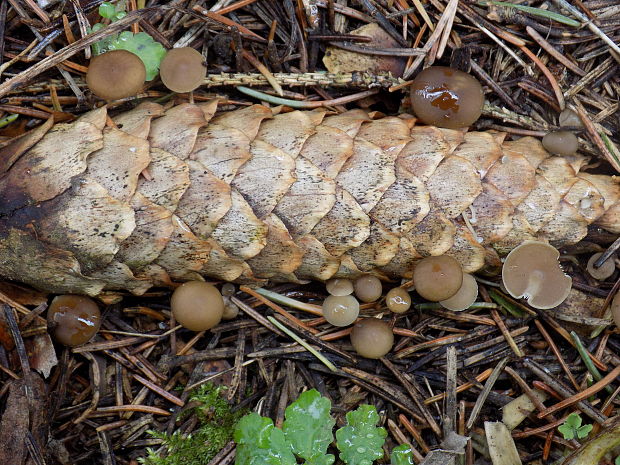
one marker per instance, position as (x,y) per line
(247,196)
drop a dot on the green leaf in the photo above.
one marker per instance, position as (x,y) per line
(308,427)
(107,10)
(584,431)
(617,461)
(537,12)
(568,432)
(573,420)
(150,52)
(402,455)
(361,442)
(261,443)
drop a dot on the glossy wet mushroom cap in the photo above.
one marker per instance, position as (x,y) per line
(398,300)
(372,338)
(73,319)
(182,69)
(532,271)
(341,310)
(464,297)
(115,74)
(368,288)
(197,306)
(339,286)
(445,97)
(560,142)
(604,271)
(437,278)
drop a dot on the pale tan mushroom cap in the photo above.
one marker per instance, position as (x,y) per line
(340,310)
(532,271)
(398,300)
(182,69)
(372,338)
(368,288)
(197,306)
(339,286)
(604,271)
(464,297)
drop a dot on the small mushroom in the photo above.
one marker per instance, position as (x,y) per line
(228,289)
(398,300)
(615,309)
(231,311)
(604,271)
(339,286)
(560,142)
(115,74)
(568,118)
(368,288)
(372,338)
(73,319)
(182,69)
(447,98)
(464,297)
(341,310)
(197,306)
(437,278)
(532,271)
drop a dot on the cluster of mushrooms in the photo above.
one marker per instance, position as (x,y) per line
(530,271)
(119,74)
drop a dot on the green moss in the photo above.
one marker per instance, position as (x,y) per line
(216,421)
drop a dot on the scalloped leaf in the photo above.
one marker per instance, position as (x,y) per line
(361,441)
(150,52)
(402,455)
(308,427)
(259,442)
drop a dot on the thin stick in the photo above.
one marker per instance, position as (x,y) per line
(314,104)
(613,374)
(303,343)
(277,309)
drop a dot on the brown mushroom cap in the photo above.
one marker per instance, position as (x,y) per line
(447,98)
(464,297)
(615,309)
(182,69)
(604,271)
(341,310)
(73,319)
(372,338)
(339,286)
(197,306)
(368,288)
(532,271)
(569,118)
(398,300)
(437,278)
(115,74)
(228,289)
(560,142)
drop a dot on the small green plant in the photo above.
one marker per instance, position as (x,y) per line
(217,423)
(617,461)
(142,44)
(307,433)
(572,428)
